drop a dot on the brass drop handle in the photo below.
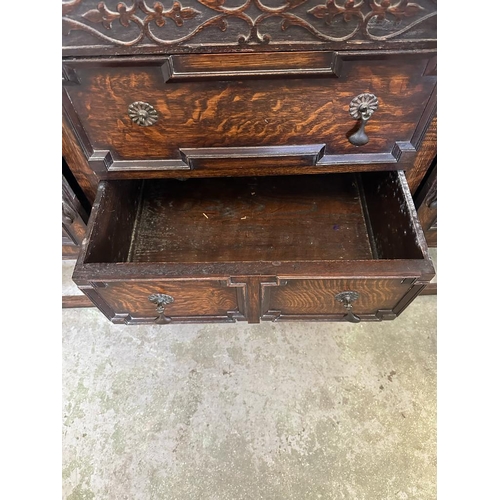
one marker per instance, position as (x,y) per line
(161,300)
(362,108)
(347,298)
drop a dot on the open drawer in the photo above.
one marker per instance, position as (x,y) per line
(321,247)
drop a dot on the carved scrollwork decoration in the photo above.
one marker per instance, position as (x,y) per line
(142,113)
(360,19)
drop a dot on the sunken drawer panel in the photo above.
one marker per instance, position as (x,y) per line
(202,115)
(272,248)
(338,299)
(163,302)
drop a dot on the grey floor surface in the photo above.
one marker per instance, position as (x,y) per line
(272,411)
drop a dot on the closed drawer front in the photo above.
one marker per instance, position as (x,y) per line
(164,302)
(248,114)
(371,299)
(271,248)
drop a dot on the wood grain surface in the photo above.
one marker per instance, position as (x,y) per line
(263,219)
(74,221)
(250,64)
(424,158)
(243,112)
(234,227)
(243,88)
(318,296)
(76,301)
(393,219)
(191,298)
(77,162)
(323,218)
(268,248)
(426,203)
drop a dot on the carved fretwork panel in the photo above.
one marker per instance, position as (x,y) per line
(91,26)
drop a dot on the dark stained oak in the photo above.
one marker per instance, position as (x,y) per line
(226,123)
(69,249)
(317,297)
(244,199)
(136,27)
(426,203)
(195,299)
(389,207)
(246,64)
(78,162)
(424,158)
(74,221)
(228,247)
(430,289)
(113,223)
(263,219)
(76,301)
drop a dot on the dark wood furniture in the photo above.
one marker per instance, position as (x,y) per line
(74,218)
(426,203)
(248,160)
(74,226)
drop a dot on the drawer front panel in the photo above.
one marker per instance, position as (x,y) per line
(140,302)
(316,298)
(206,123)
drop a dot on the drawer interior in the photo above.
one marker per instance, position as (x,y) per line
(288,218)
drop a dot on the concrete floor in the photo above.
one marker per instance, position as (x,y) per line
(290,411)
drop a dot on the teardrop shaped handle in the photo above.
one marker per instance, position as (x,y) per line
(362,108)
(351,317)
(347,298)
(359,138)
